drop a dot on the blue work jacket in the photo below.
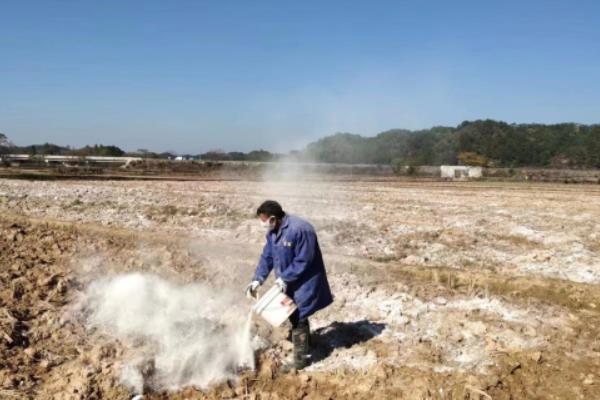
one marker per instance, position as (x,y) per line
(293,252)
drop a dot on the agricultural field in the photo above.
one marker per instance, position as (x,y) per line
(443,290)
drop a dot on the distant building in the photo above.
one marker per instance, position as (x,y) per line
(460,172)
(50,159)
(185,157)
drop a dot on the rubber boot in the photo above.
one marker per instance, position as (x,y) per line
(301,341)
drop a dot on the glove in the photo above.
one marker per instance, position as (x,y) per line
(251,289)
(281,284)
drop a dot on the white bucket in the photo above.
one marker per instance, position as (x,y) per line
(274,306)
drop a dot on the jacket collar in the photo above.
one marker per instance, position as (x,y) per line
(284,223)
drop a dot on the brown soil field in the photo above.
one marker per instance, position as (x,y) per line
(471,290)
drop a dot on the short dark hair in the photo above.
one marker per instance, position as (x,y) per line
(271,207)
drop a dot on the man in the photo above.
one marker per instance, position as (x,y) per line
(292,250)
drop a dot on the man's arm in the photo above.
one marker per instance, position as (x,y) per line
(265,264)
(305,245)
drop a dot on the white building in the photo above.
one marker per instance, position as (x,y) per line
(460,172)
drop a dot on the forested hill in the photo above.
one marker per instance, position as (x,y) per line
(483,142)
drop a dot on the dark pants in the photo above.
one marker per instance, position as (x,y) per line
(297,322)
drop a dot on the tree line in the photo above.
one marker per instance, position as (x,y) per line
(6,147)
(482,142)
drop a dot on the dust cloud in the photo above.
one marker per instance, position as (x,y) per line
(178,335)
(295,182)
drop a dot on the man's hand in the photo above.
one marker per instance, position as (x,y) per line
(251,289)
(281,284)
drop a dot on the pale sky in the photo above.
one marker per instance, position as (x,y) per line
(192,76)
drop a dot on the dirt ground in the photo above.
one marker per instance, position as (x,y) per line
(472,290)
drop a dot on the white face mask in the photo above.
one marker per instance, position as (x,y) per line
(269,224)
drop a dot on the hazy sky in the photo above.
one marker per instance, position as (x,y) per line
(191,76)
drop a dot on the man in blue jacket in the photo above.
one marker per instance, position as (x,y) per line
(292,250)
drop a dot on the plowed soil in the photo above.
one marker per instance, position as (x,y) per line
(443,290)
